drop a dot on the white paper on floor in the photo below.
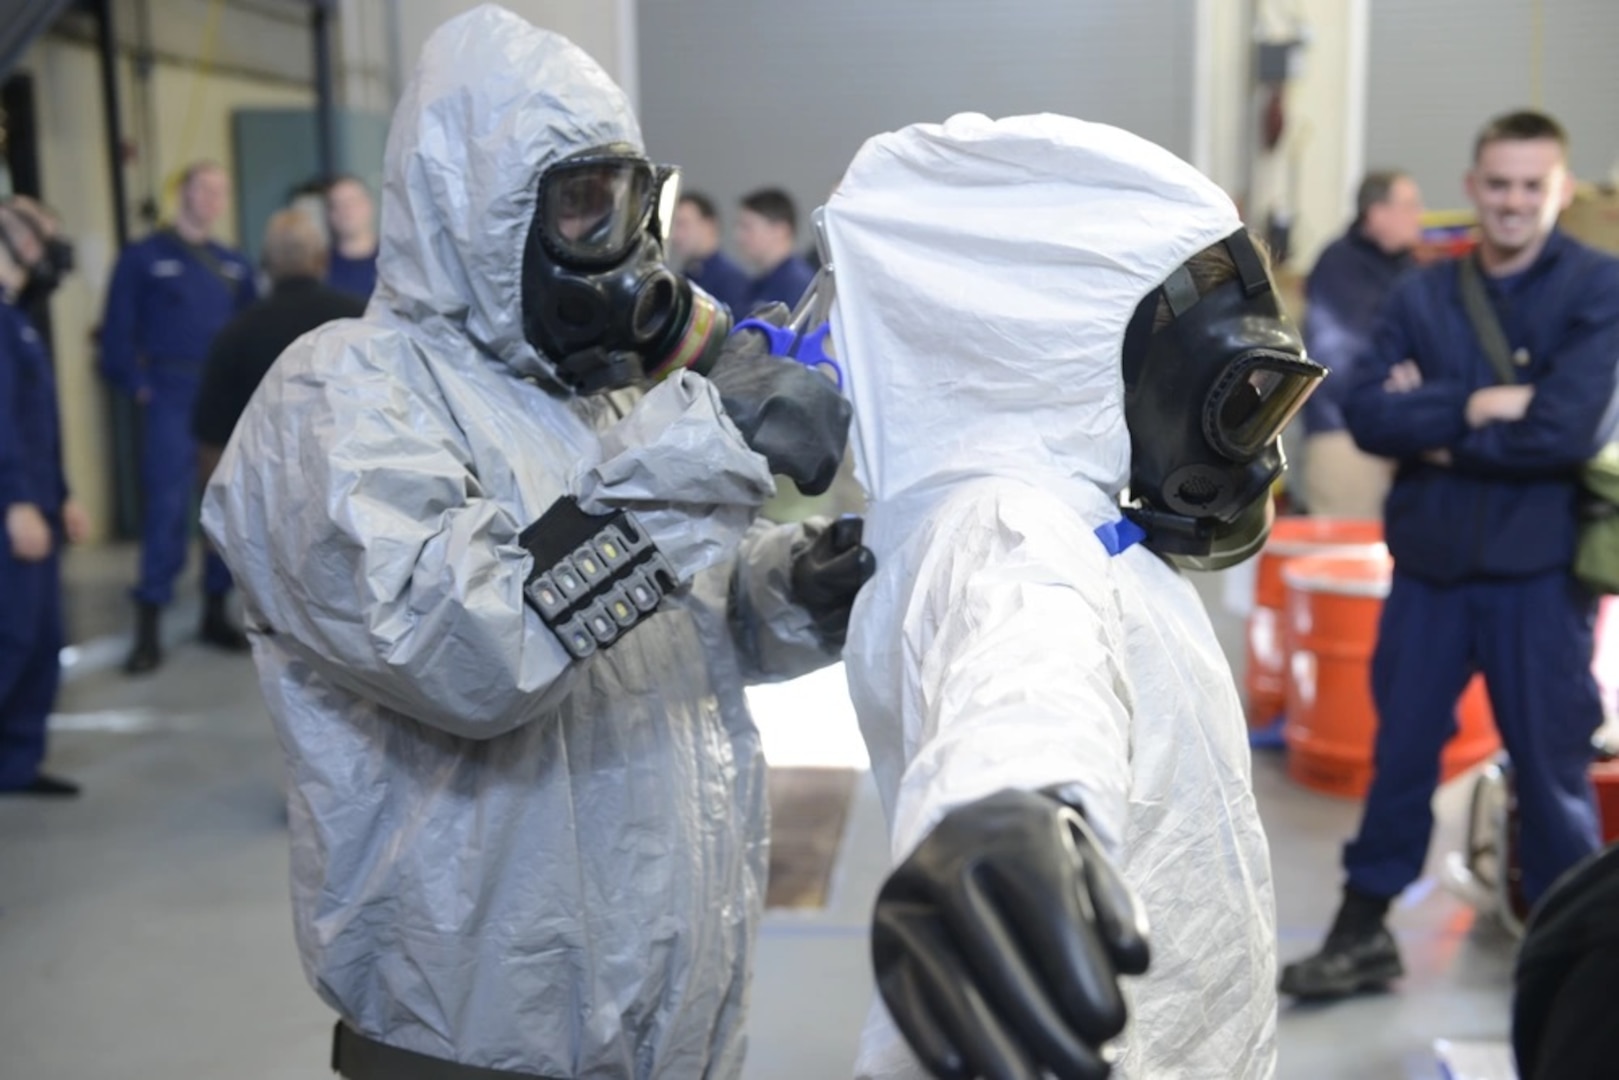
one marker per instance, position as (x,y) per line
(1475,1059)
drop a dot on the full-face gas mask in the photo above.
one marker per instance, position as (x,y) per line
(1206,399)
(45,273)
(598,299)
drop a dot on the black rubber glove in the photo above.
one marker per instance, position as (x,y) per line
(999,943)
(828,574)
(793,416)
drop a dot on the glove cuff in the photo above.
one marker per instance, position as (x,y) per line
(595,576)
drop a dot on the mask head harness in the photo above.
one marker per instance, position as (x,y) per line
(599,301)
(1206,399)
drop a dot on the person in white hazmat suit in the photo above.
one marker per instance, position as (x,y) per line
(1035,315)
(505,590)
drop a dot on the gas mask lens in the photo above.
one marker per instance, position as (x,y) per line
(593,210)
(1255,399)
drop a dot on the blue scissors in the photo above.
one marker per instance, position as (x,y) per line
(805,337)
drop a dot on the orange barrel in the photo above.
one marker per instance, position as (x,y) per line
(1332,607)
(1291,537)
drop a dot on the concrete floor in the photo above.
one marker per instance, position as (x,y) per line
(145,932)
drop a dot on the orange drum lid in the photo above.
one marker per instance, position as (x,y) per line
(1303,535)
(1340,574)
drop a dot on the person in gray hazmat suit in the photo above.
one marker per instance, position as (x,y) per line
(498,546)
(1053,728)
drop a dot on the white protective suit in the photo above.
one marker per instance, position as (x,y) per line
(500,856)
(986,272)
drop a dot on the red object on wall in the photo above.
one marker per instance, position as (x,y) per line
(1275,120)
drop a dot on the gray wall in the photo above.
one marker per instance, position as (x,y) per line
(1437,69)
(744,93)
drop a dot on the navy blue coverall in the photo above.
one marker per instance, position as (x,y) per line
(30,592)
(164,306)
(725,281)
(355,276)
(783,285)
(1342,296)
(1482,553)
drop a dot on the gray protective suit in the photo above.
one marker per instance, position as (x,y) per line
(500,856)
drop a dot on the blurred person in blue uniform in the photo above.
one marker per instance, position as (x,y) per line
(694,247)
(351,216)
(40,516)
(767,239)
(295,260)
(1481,522)
(1343,295)
(170,294)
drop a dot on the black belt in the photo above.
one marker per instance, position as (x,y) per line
(357,1057)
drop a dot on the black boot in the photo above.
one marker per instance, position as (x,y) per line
(216,628)
(1359,954)
(45,786)
(148,651)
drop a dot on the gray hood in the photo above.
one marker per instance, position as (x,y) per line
(494,102)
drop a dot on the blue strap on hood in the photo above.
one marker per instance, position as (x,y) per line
(1120,536)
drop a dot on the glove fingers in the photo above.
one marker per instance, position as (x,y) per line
(847,532)
(1120,918)
(916,1022)
(1003,967)
(834,442)
(800,432)
(1065,943)
(985,1049)
(833,628)
(846,571)
(819,482)
(827,576)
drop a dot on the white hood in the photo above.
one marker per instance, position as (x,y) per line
(1002,260)
(494,102)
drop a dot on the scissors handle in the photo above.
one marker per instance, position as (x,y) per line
(809,350)
(781,338)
